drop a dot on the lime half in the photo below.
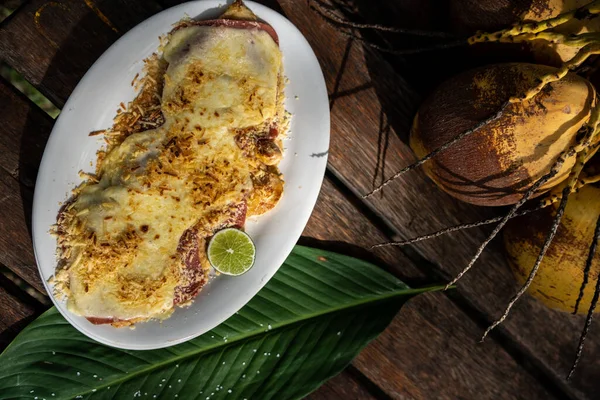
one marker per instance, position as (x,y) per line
(231,252)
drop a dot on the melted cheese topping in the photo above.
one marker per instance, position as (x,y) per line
(232,80)
(119,236)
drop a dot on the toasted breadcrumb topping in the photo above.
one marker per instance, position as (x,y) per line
(195,151)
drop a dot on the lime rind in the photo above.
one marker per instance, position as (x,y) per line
(231,252)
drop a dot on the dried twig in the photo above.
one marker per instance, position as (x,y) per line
(588,320)
(538,26)
(443,147)
(586,328)
(553,171)
(571,183)
(404,52)
(455,228)
(577,60)
(559,213)
(331,17)
(549,199)
(588,265)
(578,40)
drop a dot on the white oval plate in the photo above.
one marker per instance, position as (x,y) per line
(92,106)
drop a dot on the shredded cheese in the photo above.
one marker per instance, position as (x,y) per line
(121,251)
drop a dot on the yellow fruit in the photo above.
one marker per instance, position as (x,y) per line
(560,275)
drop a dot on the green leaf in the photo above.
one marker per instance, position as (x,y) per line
(315,315)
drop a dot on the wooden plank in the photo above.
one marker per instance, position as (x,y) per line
(338,225)
(23,134)
(431,342)
(436,353)
(15,313)
(342,386)
(364,150)
(52,44)
(15,242)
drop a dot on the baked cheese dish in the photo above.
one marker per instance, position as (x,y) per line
(195,152)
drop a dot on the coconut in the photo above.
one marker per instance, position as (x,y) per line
(495,165)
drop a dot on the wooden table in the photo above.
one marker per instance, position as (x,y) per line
(431,349)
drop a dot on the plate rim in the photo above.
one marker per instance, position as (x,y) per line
(46,157)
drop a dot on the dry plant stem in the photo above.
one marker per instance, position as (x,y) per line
(554,37)
(553,171)
(576,61)
(555,194)
(594,121)
(404,52)
(454,228)
(536,266)
(583,148)
(590,314)
(333,17)
(551,199)
(571,182)
(443,147)
(535,27)
(588,266)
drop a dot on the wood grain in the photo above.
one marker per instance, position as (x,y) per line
(338,225)
(435,353)
(342,386)
(15,242)
(52,44)
(23,134)
(365,148)
(16,313)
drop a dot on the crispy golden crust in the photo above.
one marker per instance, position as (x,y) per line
(218,188)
